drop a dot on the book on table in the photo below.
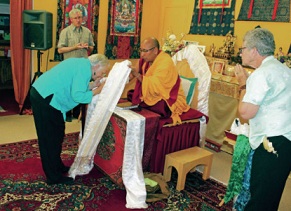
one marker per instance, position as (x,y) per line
(126,105)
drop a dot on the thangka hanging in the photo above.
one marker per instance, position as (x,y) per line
(265,10)
(213,17)
(125,17)
(123,32)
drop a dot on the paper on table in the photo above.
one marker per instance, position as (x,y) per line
(126,105)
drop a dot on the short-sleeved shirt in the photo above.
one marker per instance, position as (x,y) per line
(71,36)
(269,86)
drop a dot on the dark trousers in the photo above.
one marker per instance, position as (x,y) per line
(269,174)
(50,128)
(75,112)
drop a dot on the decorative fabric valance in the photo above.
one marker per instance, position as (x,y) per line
(213,18)
(265,10)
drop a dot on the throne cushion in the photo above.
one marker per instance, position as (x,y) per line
(188,85)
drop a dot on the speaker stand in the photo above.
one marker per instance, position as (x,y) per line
(36,75)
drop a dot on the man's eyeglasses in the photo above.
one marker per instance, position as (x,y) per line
(77,18)
(146,50)
(241,49)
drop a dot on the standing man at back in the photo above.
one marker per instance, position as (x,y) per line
(75,41)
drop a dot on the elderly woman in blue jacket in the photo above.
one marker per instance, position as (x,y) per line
(71,82)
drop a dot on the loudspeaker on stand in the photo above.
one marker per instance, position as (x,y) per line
(37,29)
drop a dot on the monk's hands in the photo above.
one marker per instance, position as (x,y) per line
(133,73)
(133,69)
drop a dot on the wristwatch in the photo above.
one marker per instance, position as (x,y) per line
(243,87)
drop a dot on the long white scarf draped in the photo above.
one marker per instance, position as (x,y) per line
(106,102)
(132,172)
(98,115)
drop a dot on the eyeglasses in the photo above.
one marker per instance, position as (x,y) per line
(77,18)
(241,49)
(146,50)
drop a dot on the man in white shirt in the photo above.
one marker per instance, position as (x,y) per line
(265,100)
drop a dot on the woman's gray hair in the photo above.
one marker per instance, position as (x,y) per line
(261,39)
(74,12)
(98,59)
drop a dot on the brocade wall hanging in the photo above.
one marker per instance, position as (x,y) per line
(265,10)
(213,17)
(90,11)
(123,32)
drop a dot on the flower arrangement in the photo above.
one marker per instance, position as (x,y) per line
(171,44)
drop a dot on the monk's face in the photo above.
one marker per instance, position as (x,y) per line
(148,51)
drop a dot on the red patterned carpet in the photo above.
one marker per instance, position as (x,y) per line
(23,186)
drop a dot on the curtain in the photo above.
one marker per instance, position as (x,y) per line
(20,57)
(64,7)
(123,45)
(213,18)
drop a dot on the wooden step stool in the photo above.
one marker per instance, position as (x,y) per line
(186,160)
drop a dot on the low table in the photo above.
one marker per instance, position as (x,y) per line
(186,160)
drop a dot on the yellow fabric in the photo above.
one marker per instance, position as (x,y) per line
(158,82)
(222,112)
(183,69)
